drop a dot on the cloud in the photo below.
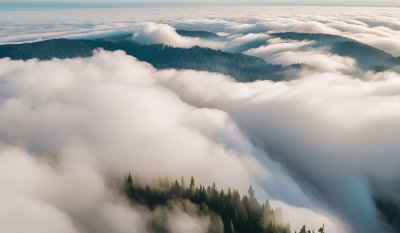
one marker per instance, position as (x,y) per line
(374,26)
(327,132)
(151,33)
(303,216)
(38,198)
(36,216)
(285,52)
(108,114)
(330,131)
(111,114)
(30,90)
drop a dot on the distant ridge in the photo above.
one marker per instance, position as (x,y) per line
(319,37)
(199,34)
(243,68)
(365,55)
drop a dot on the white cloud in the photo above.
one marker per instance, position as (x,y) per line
(285,52)
(108,114)
(312,220)
(374,26)
(113,113)
(327,131)
(21,213)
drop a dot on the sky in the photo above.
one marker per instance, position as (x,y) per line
(109,3)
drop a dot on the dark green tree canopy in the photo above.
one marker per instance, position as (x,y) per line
(238,214)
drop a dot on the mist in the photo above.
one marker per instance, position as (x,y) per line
(198,125)
(322,145)
(62,138)
(377,27)
(332,131)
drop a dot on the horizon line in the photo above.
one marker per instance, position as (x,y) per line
(58,6)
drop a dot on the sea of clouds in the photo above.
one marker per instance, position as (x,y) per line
(320,145)
(378,27)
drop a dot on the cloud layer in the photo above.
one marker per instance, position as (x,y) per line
(325,141)
(111,113)
(377,27)
(63,137)
(332,131)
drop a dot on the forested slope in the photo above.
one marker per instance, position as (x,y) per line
(199,34)
(228,211)
(242,67)
(365,55)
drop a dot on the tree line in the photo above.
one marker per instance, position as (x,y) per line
(366,55)
(242,67)
(239,214)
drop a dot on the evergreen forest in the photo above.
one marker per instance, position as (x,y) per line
(365,55)
(243,68)
(229,212)
(199,34)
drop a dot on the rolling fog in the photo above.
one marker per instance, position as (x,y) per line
(320,145)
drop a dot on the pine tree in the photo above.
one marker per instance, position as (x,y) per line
(230,228)
(279,216)
(268,212)
(251,191)
(303,229)
(239,214)
(204,209)
(191,190)
(192,184)
(321,229)
(166,183)
(183,185)
(129,182)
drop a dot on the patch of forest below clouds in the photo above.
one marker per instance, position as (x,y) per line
(243,68)
(199,34)
(366,56)
(226,211)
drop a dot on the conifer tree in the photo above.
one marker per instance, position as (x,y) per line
(240,215)
(192,184)
(321,229)
(303,229)
(183,185)
(251,191)
(230,228)
(129,182)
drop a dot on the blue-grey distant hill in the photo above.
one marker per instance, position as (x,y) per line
(389,210)
(242,67)
(365,55)
(199,34)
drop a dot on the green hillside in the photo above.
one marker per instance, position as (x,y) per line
(227,211)
(242,67)
(318,37)
(365,55)
(199,34)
